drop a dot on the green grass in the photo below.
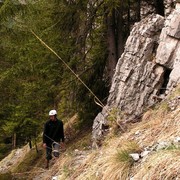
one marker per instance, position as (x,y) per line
(123,157)
(172,147)
(6,176)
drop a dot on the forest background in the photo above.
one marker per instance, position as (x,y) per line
(88,35)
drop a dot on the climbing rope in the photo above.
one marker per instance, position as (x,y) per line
(42,42)
(96,99)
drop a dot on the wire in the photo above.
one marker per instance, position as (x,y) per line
(99,101)
(96,99)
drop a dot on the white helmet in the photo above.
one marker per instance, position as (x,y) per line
(52,112)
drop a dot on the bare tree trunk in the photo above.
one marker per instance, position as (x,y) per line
(30,143)
(36,145)
(111,40)
(120,33)
(138,10)
(159,6)
(129,14)
(14,141)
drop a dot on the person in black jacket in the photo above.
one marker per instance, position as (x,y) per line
(53,134)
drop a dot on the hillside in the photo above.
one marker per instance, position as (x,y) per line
(156,140)
(110,69)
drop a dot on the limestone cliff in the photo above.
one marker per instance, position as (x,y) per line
(147,71)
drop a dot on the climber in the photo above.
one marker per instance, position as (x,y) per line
(53,136)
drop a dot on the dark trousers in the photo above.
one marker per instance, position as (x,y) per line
(49,152)
(55,149)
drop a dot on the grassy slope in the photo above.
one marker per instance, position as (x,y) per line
(112,160)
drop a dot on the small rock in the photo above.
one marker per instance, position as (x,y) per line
(144,153)
(177,140)
(54,178)
(135,156)
(137,132)
(162,145)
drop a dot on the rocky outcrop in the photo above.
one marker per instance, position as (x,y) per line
(168,52)
(146,72)
(13,159)
(147,8)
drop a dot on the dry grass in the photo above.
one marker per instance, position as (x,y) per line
(118,164)
(70,164)
(112,160)
(70,128)
(63,167)
(107,163)
(163,165)
(161,125)
(81,172)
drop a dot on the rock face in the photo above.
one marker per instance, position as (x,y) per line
(169,6)
(168,52)
(147,8)
(147,70)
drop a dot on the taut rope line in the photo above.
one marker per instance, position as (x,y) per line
(96,99)
(99,101)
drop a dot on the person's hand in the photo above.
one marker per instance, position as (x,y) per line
(44,145)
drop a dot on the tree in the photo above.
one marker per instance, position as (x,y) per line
(27,80)
(88,35)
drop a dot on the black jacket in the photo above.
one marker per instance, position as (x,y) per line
(53,131)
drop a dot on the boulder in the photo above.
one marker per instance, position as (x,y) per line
(137,76)
(146,72)
(168,52)
(135,156)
